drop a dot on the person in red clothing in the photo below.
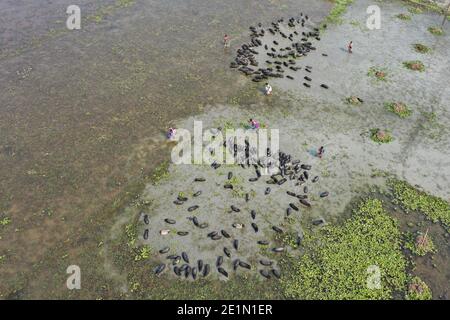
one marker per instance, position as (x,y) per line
(350,47)
(321,152)
(226,41)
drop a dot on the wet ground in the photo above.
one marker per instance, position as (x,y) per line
(83,116)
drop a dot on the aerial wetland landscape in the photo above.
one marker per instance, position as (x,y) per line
(354,204)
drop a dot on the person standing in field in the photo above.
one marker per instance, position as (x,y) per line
(268,89)
(226,41)
(350,47)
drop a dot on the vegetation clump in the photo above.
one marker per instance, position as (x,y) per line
(420,244)
(421,48)
(399,108)
(340,6)
(143,253)
(370,237)
(436,31)
(380,136)
(415,65)
(415,10)
(403,16)
(377,73)
(5,221)
(354,100)
(160,173)
(418,290)
(411,199)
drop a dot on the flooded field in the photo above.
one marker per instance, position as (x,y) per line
(83,116)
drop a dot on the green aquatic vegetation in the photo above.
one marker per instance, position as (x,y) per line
(160,173)
(238,189)
(415,65)
(228,125)
(143,253)
(419,244)
(378,73)
(131,234)
(340,7)
(415,10)
(412,199)
(380,136)
(288,239)
(5,221)
(399,108)
(421,48)
(418,290)
(403,16)
(339,259)
(436,31)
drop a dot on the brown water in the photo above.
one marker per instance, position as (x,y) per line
(82,113)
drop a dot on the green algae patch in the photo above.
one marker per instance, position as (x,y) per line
(338,260)
(412,199)
(418,290)
(399,108)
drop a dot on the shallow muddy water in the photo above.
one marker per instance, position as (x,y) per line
(82,113)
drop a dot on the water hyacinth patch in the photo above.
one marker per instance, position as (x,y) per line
(412,199)
(369,238)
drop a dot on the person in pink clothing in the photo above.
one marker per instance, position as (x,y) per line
(171,133)
(254,124)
